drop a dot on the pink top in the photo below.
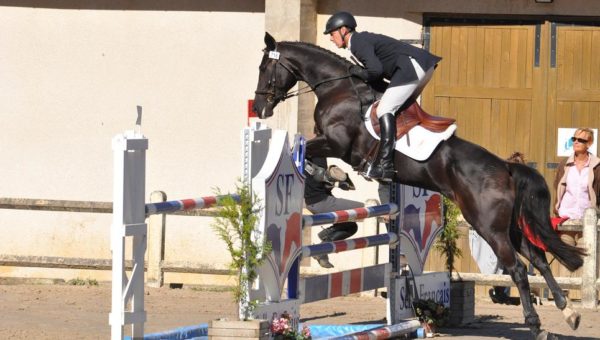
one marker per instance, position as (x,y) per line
(576,198)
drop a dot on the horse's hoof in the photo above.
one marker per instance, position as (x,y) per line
(572,317)
(545,335)
(573,321)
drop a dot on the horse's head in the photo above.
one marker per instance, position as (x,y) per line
(275,78)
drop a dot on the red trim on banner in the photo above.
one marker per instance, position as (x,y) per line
(251,113)
(337,280)
(356,280)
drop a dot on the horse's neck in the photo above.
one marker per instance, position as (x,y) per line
(322,81)
(314,67)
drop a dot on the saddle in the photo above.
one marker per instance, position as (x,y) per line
(408,118)
(412,116)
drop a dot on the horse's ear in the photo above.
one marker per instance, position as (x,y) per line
(270,42)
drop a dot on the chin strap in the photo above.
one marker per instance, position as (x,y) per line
(343,37)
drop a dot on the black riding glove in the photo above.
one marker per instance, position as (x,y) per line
(359,72)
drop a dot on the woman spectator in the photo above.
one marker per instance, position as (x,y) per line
(577,182)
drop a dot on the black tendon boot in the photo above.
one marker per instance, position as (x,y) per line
(383,166)
(334,233)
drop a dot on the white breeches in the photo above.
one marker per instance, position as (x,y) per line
(396,96)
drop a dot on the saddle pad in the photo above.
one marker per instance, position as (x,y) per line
(422,141)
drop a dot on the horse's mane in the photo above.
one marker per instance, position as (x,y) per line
(319,49)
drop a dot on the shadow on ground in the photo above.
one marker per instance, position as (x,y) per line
(492,327)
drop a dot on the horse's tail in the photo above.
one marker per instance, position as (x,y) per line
(532,205)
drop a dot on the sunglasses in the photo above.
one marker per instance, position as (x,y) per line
(580,140)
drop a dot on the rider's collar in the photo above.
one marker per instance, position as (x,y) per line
(349,40)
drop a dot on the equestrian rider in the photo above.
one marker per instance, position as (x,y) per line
(407,68)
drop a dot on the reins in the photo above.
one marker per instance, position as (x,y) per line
(272,94)
(306,89)
(311,88)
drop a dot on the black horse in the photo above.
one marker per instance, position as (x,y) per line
(492,194)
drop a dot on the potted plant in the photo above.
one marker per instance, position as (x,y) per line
(462,293)
(447,242)
(235,226)
(431,314)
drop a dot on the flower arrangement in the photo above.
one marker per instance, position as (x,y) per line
(431,313)
(282,330)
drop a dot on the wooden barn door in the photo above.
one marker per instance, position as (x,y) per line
(493,82)
(573,94)
(573,82)
(511,86)
(492,79)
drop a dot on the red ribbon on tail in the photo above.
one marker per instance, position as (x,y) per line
(535,239)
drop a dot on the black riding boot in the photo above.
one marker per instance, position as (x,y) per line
(383,165)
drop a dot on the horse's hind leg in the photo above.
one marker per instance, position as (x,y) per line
(502,246)
(538,258)
(518,273)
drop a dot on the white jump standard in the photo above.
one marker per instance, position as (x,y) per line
(273,172)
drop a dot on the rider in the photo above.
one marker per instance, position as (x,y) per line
(407,68)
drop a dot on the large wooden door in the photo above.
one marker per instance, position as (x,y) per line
(511,86)
(490,82)
(573,83)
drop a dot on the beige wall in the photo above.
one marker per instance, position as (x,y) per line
(73,72)
(71,80)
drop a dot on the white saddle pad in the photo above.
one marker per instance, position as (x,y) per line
(422,141)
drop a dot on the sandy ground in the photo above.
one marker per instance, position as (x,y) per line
(81,312)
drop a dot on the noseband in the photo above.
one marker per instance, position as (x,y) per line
(275,93)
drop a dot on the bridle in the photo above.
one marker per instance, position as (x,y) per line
(276,94)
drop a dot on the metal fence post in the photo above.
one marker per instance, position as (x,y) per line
(156,243)
(589,274)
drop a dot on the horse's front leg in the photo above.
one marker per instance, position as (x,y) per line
(319,146)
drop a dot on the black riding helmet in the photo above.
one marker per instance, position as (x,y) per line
(338,20)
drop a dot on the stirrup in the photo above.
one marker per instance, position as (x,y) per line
(379,173)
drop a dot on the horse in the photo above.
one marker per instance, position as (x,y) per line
(495,196)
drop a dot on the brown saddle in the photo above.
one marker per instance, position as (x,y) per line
(414,115)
